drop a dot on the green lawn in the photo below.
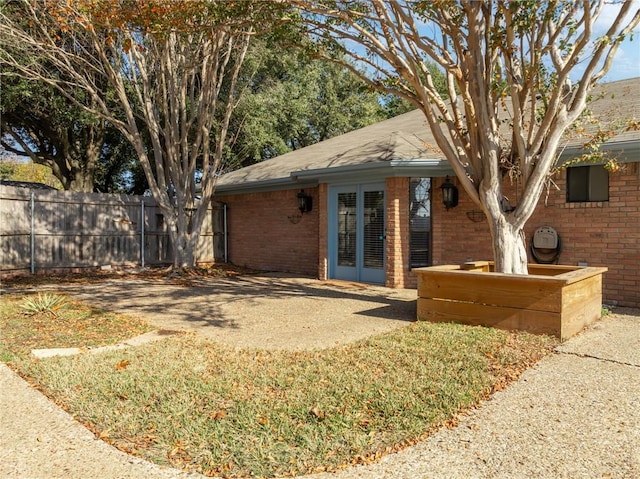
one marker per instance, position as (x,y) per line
(202,406)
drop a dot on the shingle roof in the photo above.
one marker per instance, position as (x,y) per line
(26,184)
(407,137)
(402,137)
(613,101)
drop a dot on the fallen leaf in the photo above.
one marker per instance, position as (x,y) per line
(218,415)
(122,365)
(316,412)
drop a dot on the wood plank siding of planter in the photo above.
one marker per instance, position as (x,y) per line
(555,300)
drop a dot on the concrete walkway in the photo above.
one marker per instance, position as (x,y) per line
(575,414)
(266,311)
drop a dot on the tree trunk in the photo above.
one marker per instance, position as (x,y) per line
(507,238)
(183,255)
(509,247)
(184,233)
(81,180)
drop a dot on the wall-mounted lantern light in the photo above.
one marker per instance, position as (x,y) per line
(304,202)
(449,194)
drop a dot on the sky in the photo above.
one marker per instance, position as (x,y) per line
(626,63)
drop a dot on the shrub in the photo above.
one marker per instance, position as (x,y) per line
(44,303)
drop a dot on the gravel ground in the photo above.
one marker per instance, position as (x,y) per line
(575,414)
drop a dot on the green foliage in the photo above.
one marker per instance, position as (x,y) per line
(28,171)
(595,131)
(81,151)
(292,101)
(7,170)
(118,169)
(44,303)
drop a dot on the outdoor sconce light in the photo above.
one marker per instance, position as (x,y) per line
(449,194)
(304,202)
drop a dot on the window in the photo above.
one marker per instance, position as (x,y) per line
(587,183)
(420,222)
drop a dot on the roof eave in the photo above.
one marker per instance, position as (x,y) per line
(275,184)
(629,150)
(394,168)
(378,171)
(365,172)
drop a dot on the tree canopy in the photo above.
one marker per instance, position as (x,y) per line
(84,152)
(173,72)
(293,101)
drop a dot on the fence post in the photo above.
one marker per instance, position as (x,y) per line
(142,232)
(33,233)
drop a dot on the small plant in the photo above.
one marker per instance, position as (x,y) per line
(44,303)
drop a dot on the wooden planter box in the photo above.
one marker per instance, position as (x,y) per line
(551,299)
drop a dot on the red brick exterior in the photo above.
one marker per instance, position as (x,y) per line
(456,236)
(262,232)
(262,236)
(596,233)
(397,234)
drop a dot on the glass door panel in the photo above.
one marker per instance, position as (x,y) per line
(371,265)
(373,220)
(347,232)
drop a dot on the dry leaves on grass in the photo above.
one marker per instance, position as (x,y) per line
(91,276)
(75,325)
(240,413)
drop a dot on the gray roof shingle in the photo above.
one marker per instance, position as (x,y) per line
(408,137)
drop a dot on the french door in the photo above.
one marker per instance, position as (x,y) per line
(357,233)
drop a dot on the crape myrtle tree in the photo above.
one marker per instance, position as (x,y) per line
(172,69)
(529,62)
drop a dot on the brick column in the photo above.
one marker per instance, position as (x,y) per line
(397,233)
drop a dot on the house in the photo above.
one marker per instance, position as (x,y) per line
(376,207)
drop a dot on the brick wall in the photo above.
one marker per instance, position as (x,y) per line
(597,233)
(459,234)
(263,233)
(397,234)
(262,236)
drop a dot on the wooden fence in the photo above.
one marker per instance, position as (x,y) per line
(46,229)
